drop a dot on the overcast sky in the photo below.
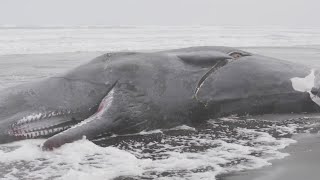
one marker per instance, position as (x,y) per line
(160,12)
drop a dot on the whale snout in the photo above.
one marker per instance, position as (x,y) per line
(32,125)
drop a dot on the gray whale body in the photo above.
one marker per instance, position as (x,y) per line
(127,92)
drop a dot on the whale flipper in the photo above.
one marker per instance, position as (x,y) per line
(116,110)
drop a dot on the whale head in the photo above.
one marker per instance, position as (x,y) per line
(49,106)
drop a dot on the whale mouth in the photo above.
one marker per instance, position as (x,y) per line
(49,123)
(42,125)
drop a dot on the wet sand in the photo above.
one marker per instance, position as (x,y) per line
(302,164)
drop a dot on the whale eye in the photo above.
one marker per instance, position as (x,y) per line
(236,55)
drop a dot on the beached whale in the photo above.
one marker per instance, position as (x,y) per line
(126,92)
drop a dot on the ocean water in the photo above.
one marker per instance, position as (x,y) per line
(207,151)
(31,40)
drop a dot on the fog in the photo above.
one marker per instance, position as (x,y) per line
(298,13)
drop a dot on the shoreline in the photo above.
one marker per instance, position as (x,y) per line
(302,163)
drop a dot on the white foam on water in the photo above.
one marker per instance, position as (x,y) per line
(85,160)
(184,127)
(150,132)
(78,160)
